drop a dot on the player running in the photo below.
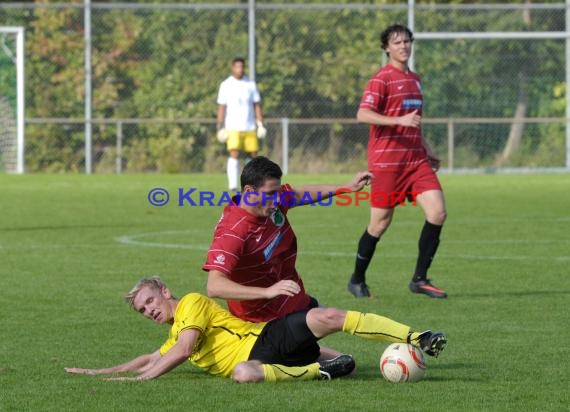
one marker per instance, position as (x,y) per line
(400,159)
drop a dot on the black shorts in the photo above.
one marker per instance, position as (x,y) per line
(287,341)
(313,303)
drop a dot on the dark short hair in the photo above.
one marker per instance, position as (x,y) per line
(258,170)
(395,28)
(238,60)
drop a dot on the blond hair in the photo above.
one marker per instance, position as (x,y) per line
(154,282)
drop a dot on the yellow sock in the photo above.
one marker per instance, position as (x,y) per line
(375,327)
(413,338)
(276,373)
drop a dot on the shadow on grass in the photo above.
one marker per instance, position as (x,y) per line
(455,379)
(447,374)
(369,374)
(512,293)
(454,365)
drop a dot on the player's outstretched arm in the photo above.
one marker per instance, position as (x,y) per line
(177,355)
(137,364)
(323,192)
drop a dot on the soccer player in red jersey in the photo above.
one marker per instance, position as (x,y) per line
(251,261)
(400,160)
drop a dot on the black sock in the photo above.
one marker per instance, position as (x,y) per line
(366,248)
(429,241)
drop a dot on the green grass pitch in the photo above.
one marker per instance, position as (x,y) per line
(71,246)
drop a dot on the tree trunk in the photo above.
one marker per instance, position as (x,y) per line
(517,127)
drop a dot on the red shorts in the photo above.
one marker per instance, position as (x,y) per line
(390,188)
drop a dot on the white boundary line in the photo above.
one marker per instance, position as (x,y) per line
(133,240)
(136,240)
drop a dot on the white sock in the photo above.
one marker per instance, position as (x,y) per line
(233,172)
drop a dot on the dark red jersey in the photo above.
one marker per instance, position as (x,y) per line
(257,251)
(392,92)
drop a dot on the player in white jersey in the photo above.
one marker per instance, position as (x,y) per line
(240,118)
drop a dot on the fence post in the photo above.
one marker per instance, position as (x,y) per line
(20,92)
(119,156)
(411,26)
(285,145)
(88,114)
(567,42)
(450,144)
(251,37)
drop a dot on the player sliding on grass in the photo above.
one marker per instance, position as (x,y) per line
(281,349)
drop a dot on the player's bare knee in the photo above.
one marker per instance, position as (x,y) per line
(332,318)
(245,372)
(438,217)
(378,228)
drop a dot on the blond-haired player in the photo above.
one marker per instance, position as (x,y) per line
(221,344)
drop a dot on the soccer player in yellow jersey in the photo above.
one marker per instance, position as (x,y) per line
(281,349)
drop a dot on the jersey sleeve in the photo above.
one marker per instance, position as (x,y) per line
(374,95)
(192,313)
(222,95)
(224,252)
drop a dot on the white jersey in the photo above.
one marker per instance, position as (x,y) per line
(239,97)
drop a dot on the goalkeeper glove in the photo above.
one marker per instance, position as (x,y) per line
(261,130)
(222,135)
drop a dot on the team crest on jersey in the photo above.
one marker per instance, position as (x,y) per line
(278,218)
(220,259)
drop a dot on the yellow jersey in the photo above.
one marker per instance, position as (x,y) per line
(224,340)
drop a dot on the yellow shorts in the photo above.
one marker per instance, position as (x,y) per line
(243,141)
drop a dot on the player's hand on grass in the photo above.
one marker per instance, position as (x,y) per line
(283,287)
(412,119)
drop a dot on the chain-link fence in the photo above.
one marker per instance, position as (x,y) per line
(9,102)
(494,82)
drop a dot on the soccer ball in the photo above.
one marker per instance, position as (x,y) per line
(402,362)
